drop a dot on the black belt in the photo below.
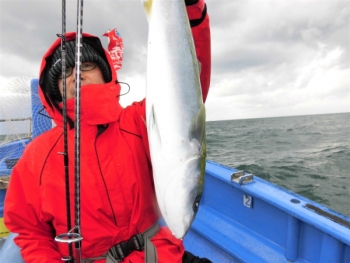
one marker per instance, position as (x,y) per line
(137,242)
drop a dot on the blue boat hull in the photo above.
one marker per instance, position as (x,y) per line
(256,222)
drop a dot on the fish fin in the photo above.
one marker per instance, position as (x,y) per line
(198,126)
(198,137)
(153,127)
(147,6)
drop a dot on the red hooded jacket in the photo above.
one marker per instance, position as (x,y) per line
(117,192)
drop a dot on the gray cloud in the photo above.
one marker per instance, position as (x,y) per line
(280,54)
(271,38)
(29,27)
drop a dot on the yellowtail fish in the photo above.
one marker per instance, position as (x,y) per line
(175,113)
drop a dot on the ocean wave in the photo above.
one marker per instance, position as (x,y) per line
(313,151)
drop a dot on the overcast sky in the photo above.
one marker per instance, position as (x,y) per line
(270,58)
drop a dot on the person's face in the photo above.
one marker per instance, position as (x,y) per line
(90,74)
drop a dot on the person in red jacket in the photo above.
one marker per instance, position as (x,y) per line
(117,192)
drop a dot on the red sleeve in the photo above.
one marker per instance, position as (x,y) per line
(22,216)
(199,20)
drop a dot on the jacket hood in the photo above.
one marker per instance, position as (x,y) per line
(99,102)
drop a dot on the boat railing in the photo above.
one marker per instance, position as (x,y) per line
(9,136)
(4,181)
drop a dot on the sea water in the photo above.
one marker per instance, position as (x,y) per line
(309,155)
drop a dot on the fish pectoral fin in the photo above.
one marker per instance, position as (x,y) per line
(198,142)
(153,128)
(198,126)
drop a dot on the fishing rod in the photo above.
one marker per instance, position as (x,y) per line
(74,234)
(79,44)
(68,258)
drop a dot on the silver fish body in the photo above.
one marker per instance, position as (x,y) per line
(175,114)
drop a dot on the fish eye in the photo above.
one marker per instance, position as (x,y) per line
(195,205)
